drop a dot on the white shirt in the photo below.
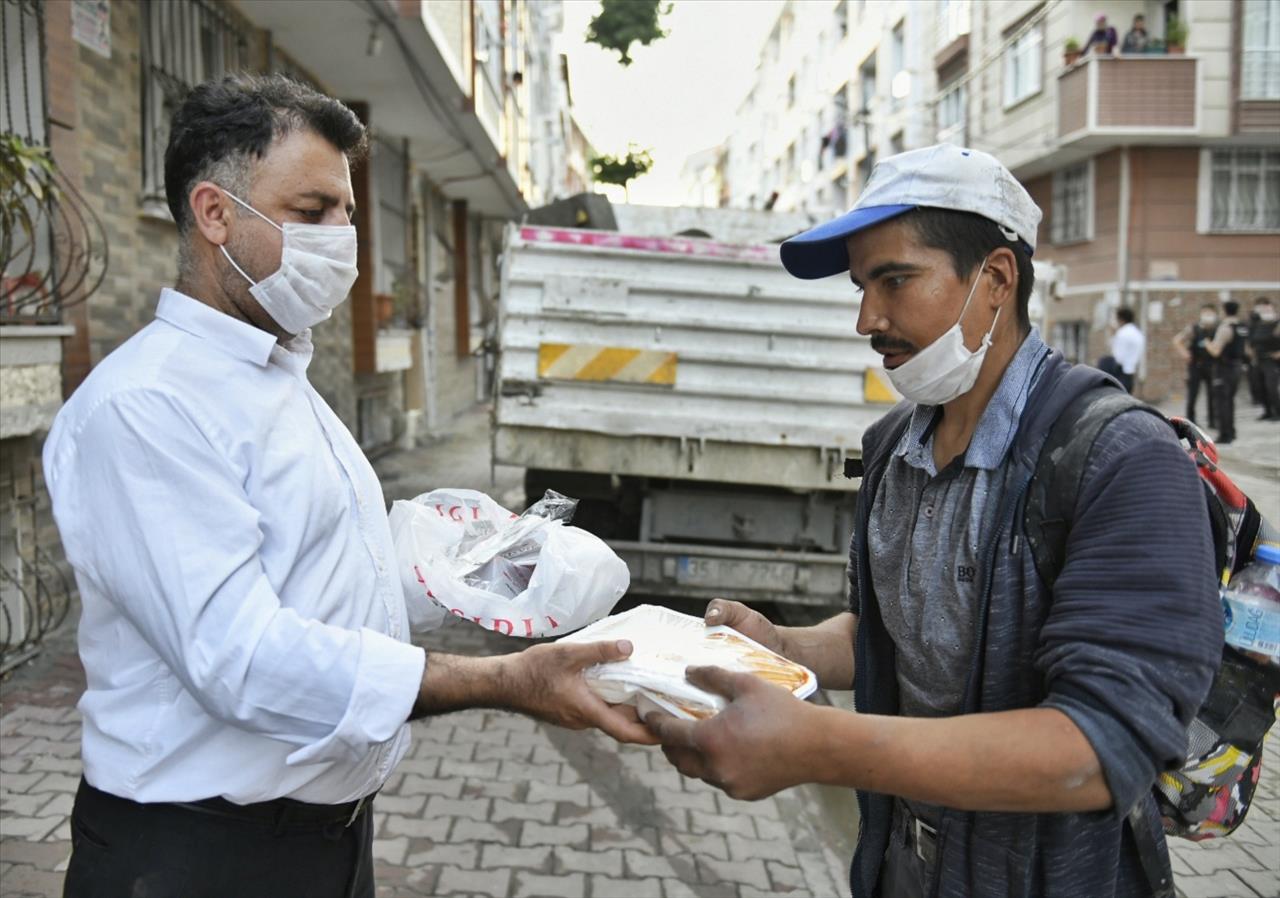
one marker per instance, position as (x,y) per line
(1127,347)
(244,631)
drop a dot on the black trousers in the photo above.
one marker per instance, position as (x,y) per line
(1270,369)
(123,848)
(1198,376)
(1226,379)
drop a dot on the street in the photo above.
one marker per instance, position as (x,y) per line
(490,803)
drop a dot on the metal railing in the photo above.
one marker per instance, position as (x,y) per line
(53,250)
(184,42)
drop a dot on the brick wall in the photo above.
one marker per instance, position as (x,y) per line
(143,251)
(1164,187)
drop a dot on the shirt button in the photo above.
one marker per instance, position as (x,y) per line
(928,512)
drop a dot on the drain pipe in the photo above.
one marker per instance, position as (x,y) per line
(1122,253)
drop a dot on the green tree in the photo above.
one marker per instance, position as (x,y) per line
(621,23)
(621,169)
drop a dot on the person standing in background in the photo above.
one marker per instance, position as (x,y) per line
(1103,39)
(1128,346)
(1135,40)
(1190,345)
(1228,350)
(1264,352)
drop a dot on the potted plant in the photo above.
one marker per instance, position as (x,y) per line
(1070,51)
(1175,35)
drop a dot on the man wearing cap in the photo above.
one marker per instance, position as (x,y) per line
(1007,734)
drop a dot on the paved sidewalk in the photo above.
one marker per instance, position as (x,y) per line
(489,803)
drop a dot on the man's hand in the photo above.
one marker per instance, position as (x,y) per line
(546,682)
(747,621)
(750,748)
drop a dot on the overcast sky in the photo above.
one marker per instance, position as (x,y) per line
(679,94)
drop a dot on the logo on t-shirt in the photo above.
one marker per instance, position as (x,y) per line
(966,573)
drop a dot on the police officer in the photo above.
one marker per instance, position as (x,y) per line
(1190,345)
(1228,350)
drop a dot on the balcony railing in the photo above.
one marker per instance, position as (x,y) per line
(1146,95)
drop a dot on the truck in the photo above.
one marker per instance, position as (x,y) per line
(697,400)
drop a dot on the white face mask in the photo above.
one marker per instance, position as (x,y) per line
(945,368)
(317,269)
(1208,320)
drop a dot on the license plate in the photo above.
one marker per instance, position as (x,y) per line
(743,574)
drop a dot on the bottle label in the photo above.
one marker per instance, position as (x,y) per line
(1251,627)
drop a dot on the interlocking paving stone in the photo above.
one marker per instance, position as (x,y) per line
(606,887)
(1224,886)
(742,825)
(765,849)
(473,882)
(703,844)
(573,885)
(537,858)
(784,876)
(542,811)
(432,787)
(747,872)
(457,855)
(466,831)
(534,833)
(417,827)
(570,860)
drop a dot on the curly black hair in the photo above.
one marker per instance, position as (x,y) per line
(239,116)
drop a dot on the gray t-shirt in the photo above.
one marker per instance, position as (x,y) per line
(924,535)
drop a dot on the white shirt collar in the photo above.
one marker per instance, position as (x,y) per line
(236,338)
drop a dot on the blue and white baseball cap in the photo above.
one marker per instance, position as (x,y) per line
(944,176)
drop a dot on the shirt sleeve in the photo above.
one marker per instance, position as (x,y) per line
(150,503)
(1134,633)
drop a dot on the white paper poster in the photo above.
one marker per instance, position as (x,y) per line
(91,25)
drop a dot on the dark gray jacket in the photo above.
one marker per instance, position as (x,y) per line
(1126,645)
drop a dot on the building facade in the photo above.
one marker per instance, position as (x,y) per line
(1158,172)
(839,84)
(457,95)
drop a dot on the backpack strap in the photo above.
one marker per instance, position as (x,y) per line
(1147,836)
(1051,496)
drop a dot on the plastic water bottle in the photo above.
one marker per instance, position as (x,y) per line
(1251,603)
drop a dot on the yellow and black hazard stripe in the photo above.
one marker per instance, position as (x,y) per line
(577,361)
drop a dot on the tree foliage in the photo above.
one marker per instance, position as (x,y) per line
(621,169)
(621,23)
(26,185)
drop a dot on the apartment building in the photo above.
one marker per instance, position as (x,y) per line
(839,84)
(467,105)
(1159,172)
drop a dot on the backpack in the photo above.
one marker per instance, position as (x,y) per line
(1210,794)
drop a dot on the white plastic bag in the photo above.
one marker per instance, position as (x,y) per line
(524,575)
(664,643)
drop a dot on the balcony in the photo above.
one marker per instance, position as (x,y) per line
(1106,100)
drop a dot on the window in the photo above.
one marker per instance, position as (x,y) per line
(1023,65)
(184,42)
(1072,220)
(864,169)
(900,85)
(791,91)
(1240,190)
(867,82)
(1071,338)
(951,118)
(953,20)
(842,18)
(1260,60)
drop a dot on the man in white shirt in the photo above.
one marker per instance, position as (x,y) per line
(1127,347)
(244,633)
